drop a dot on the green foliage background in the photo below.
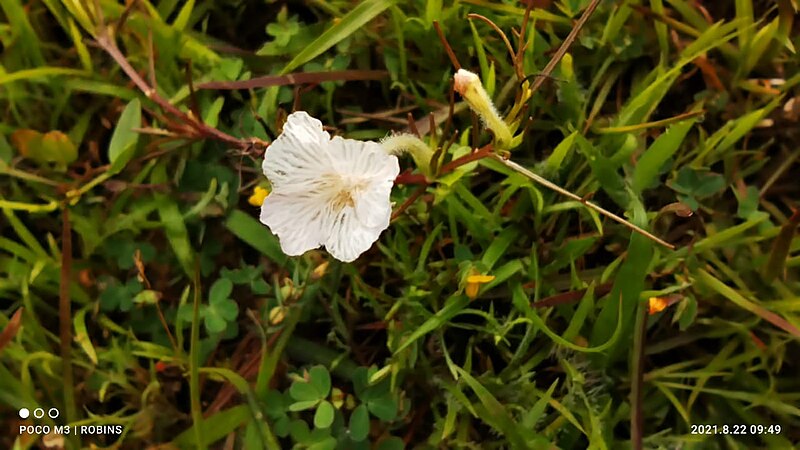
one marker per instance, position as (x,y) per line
(191,329)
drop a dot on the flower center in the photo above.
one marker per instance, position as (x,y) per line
(346,195)
(342,199)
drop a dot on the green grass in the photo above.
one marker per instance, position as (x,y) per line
(172,311)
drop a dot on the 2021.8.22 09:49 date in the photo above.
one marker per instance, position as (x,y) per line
(734,429)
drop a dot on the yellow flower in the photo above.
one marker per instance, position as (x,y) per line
(474,283)
(259,194)
(657,304)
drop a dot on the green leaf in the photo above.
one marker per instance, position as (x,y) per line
(183,16)
(123,141)
(299,431)
(359,423)
(384,408)
(215,427)
(174,226)
(323,418)
(6,153)
(303,405)
(660,151)
(556,158)
(255,234)
(628,283)
(454,305)
(393,443)
(221,310)
(82,335)
(302,391)
(496,414)
(220,290)
(214,322)
(325,443)
(147,297)
(748,202)
(349,24)
(321,380)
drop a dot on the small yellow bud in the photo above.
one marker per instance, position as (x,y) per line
(337,398)
(259,194)
(276,315)
(320,270)
(657,304)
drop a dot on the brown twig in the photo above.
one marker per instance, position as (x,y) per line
(450,53)
(198,129)
(412,126)
(481,153)
(194,106)
(562,50)
(65,315)
(503,36)
(297,78)
(409,201)
(522,45)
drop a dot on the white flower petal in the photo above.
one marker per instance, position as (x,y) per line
(349,238)
(372,172)
(363,158)
(297,155)
(298,222)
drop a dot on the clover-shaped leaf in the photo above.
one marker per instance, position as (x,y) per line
(283,29)
(320,379)
(692,185)
(249,275)
(275,404)
(221,310)
(384,408)
(748,202)
(122,250)
(359,423)
(308,394)
(324,415)
(377,397)
(120,296)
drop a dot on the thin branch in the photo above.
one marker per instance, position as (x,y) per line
(522,45)
(509,47)
(550,185)
(105,42)
(65,316)
(450,53)
(409,201)
(297,78)
(637,377)
(562,50)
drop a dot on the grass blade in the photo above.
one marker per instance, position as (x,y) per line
(349,24)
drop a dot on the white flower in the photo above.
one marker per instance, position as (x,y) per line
(331,192)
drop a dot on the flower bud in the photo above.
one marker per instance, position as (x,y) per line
(469,86)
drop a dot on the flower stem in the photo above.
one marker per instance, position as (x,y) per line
(194,364)
(65,319)
(406,143)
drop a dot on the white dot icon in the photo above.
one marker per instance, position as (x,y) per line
(24,413)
